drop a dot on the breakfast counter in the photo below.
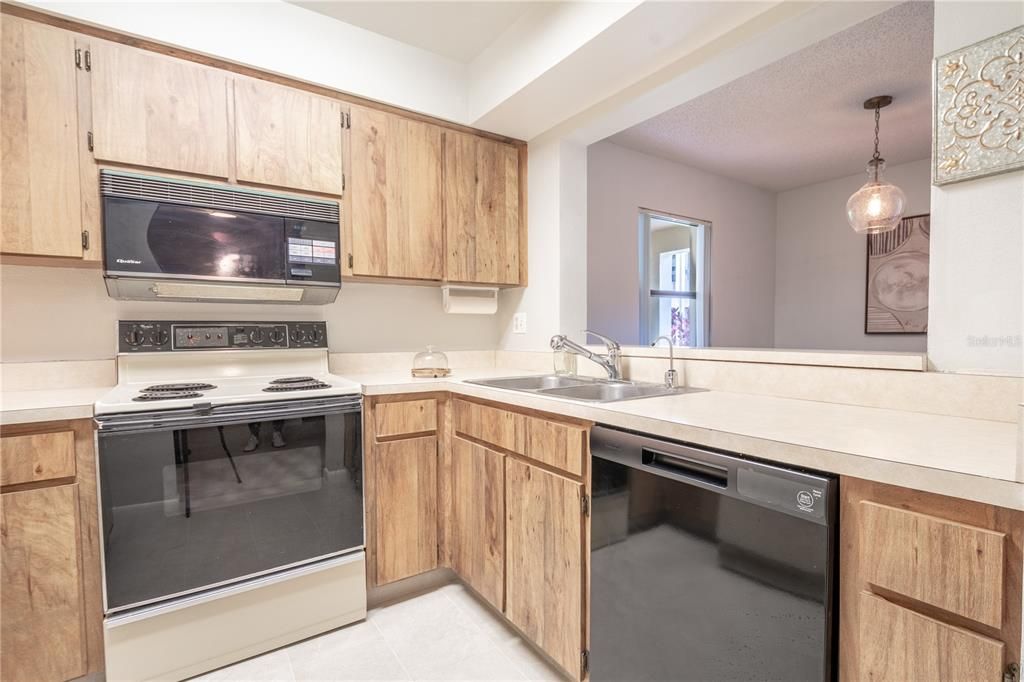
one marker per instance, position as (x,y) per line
(974,459)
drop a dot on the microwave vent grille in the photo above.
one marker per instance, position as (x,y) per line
(146,188)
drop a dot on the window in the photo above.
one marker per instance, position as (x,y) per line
(673,279)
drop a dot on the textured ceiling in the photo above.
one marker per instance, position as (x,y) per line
(800,120)
(459,30)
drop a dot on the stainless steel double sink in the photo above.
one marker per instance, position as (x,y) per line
(580,388)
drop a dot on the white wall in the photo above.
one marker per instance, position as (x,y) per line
(820,265)
(292,41)
(742,217)
(976,263)
(65,314)
(555,302)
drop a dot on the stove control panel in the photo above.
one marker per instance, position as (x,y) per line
(152,336)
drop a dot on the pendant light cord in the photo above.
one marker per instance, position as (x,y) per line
(878,111)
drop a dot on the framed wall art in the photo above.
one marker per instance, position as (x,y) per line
(896,300)
(978,128)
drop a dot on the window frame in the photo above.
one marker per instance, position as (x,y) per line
(702,295)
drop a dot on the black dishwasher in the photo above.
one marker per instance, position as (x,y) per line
(708,566)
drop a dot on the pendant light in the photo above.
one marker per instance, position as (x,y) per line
(877,206)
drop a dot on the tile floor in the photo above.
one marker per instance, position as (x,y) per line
(444,634)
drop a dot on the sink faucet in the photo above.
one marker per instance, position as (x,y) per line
(611,361)
(671,376)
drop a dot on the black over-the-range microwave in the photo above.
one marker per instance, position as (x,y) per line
(170,239)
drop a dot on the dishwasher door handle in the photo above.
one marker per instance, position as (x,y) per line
(702,472)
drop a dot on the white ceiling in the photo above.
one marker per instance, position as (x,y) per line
(800,120)
(459,30)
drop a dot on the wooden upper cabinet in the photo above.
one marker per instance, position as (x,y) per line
(285,137)
(159,112)
(482,223)
(544,560)
(42,202)
(395,206)
(43,632)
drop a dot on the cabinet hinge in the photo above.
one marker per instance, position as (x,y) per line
(78,57)
(88,140)
(585,661)
(1012,672)
(88,60)
(85,240)
(350,260)
(585,504)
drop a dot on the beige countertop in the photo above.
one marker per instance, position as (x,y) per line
(974,459)
(23,407)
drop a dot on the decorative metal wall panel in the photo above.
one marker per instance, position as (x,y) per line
(979,109)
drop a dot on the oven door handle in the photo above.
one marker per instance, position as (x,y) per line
(204,416)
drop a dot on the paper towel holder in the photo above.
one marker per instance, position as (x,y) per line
(469,300)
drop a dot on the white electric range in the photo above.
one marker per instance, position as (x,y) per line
(231,494)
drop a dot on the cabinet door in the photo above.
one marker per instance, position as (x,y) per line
(544,560)
(477,519)
(286,137)
(395,196)
(42,202)
(157,111)
(405,508)
(900,645)
(42,629)
(481,182)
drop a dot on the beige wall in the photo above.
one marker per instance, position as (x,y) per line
(742,217)
(820,265)
(65,314)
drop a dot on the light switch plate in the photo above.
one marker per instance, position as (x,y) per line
(519,323)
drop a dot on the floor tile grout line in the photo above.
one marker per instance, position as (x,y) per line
(499,645)
(387,643)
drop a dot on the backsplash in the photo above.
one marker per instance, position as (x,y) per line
(65,314)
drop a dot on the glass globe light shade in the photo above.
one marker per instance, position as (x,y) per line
(877,206)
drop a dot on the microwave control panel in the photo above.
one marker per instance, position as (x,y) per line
(154,336)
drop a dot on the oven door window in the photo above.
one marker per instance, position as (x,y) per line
(150,237)
(199,507)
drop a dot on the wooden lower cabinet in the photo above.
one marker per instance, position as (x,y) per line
(930,586)
(899,644)
(52,623)
(43,631)
(544,525)
(405,508)
(476,526)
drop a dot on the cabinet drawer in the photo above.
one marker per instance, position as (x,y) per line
(954,566)
(491,425)
(406,418)
(900,645)
(556,444)
(37,457)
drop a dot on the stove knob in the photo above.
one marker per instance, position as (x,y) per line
(277,336)
(134,337)
(316,335)
(256,336)
(298,335)
(159,337)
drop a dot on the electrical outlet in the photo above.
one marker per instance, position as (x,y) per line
(519,323)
